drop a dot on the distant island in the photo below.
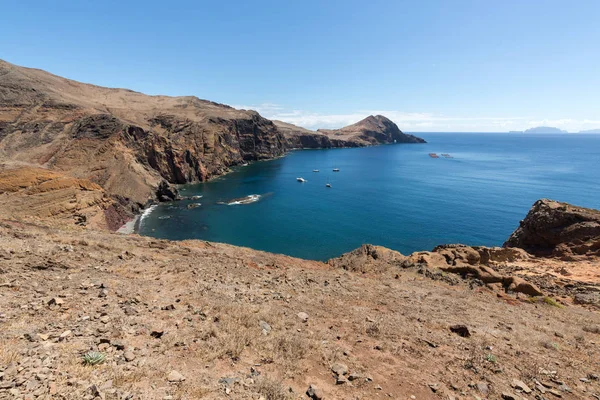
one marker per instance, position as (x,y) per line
(591,131)
(544,129)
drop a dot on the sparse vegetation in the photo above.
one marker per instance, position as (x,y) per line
(272,389)
(93,358)
(552,302)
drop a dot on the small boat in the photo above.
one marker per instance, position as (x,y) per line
(433,155)
(328,185)
(301,179)
(245,165)
(315,170)
(336,170)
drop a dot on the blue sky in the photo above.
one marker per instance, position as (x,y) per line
(428,65)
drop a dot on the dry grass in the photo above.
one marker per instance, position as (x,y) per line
(9,352)
(272,389)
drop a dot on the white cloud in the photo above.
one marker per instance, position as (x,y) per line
(417,121)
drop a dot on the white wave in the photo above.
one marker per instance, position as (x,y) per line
(243,200)
(147,212)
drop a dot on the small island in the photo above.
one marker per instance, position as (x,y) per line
(544,129)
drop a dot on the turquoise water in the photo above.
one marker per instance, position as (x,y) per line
(395,196)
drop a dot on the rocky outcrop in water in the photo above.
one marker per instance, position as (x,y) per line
(371,131)
(558,229)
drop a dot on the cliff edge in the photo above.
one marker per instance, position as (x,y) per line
(552,228)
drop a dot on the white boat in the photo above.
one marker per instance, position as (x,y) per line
(328,184)
(301,179)
(315,170)
(336,170)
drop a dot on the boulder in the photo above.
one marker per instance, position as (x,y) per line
(558,229)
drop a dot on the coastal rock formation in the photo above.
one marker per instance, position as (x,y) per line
(468,262)
(368,258)
(39,194)
(301,138)
(370,131)
(124,141)
(558,229)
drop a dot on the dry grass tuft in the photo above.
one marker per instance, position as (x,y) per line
(9,352)
(272,389)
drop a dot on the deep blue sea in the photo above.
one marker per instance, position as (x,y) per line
(395,195)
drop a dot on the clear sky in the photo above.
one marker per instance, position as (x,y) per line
(446,65)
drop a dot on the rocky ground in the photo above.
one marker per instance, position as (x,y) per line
(188,320)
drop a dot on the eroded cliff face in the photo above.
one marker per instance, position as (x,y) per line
(558,229)
(126,142)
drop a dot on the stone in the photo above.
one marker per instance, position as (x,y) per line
(340,380)
(354,376)
(508,396)
(555,392)
(339,369)
(103,293)
(540,388)
(565,388)
(175,376)
(129,356)
(266,328)
(520,385)
(56,301)
(105,319)
(434,387)
(483,388)
(229,381)
(314,392)
(303,316)
(6,384)
(64,335)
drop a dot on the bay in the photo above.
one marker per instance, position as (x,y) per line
(394,195)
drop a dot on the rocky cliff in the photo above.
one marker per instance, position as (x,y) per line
(297,137)
(558,229)
(372,130)
(124,141)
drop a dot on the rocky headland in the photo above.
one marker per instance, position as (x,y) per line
(86,313)
(373,130)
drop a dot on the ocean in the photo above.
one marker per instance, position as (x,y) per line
(395,196)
